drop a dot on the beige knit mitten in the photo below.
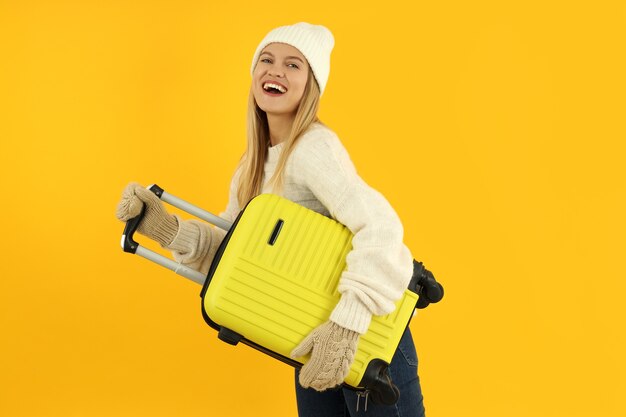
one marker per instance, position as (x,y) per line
(157,223)
(332,350)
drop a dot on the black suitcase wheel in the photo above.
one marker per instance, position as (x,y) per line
(379,384)
(425,285)
(388,396)
(383,390)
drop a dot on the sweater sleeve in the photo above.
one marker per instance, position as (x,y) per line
(196,242)
(379,266)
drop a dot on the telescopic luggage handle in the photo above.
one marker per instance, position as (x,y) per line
(131,246)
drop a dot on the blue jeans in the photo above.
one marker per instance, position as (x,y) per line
(342,402)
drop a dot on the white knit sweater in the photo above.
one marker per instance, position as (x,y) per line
(320,176)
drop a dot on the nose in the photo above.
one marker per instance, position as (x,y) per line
(276,71)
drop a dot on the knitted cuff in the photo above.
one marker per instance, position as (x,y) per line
(165,231)
(186,237)
(351,313)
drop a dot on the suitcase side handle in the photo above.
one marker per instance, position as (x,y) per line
(129,245)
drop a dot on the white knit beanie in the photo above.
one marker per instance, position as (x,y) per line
(315,42)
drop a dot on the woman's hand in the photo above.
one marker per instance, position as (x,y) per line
(332,350)
(157,223)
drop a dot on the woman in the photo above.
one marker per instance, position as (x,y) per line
(292,153)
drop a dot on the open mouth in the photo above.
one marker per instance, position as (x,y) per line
(274,89)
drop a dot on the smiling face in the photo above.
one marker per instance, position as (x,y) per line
(279,79)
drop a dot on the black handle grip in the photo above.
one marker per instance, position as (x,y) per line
(156,190)
(129,243)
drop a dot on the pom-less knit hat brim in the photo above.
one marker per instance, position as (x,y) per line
(315,42)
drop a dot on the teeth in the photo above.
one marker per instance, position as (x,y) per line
(276,86)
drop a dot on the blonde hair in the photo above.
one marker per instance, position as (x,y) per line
(253,160)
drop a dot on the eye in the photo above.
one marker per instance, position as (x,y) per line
(266,60)
(294,65)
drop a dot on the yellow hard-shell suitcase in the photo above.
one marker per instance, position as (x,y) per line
(274,279)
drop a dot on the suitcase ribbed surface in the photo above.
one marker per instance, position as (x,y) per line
(275,293)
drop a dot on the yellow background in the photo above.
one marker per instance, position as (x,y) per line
(495,129)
